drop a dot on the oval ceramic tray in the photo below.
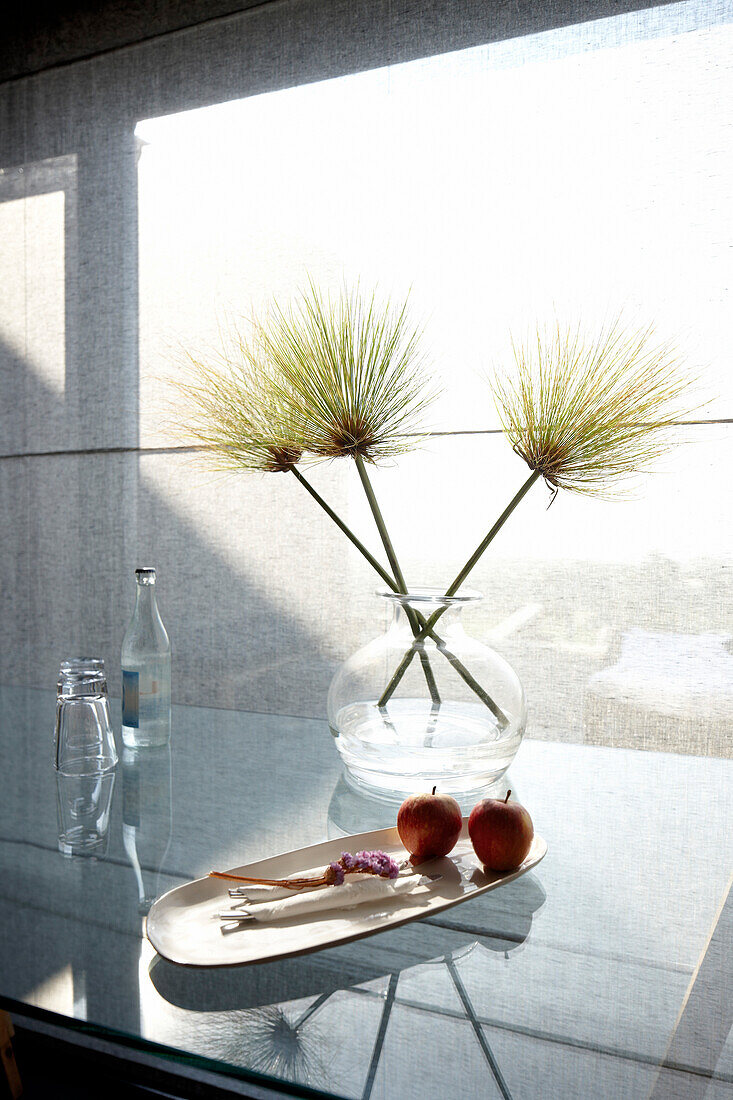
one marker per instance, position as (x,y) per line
(182,924)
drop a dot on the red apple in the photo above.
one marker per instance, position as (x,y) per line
(501,833)
(429,825)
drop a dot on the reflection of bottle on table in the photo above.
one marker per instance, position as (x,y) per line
(146,817)
(146,671)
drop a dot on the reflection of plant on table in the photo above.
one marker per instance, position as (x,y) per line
(270,1041)
(345,378)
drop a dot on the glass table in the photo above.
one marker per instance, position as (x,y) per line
(607,972)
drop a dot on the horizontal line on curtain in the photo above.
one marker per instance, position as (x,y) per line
(197,448)
(71,453)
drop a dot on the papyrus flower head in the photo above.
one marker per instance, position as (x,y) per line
(349,371)
(589,415)
(230,409)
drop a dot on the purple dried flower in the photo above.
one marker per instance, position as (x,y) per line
(372,863)
(338,873)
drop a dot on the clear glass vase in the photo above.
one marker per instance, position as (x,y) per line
(410,709)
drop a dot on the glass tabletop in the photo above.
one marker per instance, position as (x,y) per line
(605,972)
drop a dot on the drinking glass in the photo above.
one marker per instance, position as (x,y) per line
(84,742)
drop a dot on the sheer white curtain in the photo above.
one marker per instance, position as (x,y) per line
(504,174)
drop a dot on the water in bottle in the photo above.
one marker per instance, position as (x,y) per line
(146,671)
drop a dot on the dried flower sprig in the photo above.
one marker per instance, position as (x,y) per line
(370,863)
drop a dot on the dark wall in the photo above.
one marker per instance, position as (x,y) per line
(44,33)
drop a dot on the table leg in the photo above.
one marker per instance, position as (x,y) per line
(7,1057)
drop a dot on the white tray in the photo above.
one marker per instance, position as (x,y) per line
(183,928)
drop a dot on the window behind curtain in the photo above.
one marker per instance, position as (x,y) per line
(572,173)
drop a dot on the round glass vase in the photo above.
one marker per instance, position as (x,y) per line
(439,709)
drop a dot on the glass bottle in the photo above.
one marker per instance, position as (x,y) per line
(146,671)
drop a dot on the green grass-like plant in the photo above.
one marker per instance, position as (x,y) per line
(345,377)
(590,415)
(350,372)
(228,407)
